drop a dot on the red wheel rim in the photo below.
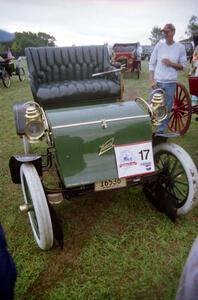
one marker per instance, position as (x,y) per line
(180,116)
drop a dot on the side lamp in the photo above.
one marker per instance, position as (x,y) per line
(34,125)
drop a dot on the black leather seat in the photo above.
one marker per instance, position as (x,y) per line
(61,76)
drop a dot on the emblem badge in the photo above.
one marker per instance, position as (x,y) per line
(108,145)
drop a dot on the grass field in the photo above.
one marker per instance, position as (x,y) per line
(117,245)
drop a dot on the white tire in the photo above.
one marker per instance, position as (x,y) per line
(39,215)
(26,145)
(183,175)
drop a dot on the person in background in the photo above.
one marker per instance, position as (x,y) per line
(8,272)
(139,52)
(166,60)
(194,72)
(188,286)
(194,65)
(6,37)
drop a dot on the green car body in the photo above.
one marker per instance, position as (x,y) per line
(84,139)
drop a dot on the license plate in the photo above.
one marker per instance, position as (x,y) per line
(110,184)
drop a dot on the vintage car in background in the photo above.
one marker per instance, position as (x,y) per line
(147,51)
(189,48)
(127,55)
(94,139)
(9,67)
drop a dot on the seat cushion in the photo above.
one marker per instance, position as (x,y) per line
(56,94)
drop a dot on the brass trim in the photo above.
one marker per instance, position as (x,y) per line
(99,121)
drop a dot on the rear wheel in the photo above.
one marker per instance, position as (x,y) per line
(38,212)
(5,78)
(180,116)
(180,173)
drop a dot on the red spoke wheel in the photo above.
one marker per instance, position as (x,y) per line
(180,116)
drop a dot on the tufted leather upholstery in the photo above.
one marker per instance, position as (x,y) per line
(63,75)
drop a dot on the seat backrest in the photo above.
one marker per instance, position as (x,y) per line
(51,64)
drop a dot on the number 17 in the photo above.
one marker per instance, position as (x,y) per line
(144,154)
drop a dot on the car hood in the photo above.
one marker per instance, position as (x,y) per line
(80,134)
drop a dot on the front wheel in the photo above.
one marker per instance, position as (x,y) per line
(180,175)
(38,212)
(5,78)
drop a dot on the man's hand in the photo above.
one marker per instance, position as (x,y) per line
(153,84)
(167,62)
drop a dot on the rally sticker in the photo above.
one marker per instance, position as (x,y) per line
(134,159)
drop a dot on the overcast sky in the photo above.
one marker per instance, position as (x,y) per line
(86,22)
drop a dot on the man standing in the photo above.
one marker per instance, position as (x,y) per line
(167,59)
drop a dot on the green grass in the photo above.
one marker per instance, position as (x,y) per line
(117,246)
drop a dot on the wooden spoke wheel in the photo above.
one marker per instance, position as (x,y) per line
(180,116)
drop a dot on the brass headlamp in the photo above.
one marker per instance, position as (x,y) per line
(158,108)
(34,123)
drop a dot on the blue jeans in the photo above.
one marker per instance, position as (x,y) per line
(194,100)
(169,89)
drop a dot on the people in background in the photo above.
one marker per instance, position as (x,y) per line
(194,72)
(139,52)
(194,64)
(6,37)
(166,60)
(7,270)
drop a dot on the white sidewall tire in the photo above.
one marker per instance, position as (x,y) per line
(39,201)
(191,173)
(26,145)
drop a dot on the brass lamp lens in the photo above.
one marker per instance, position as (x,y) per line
(34,129)
(160,112)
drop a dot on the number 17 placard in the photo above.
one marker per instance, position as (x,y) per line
(134,159)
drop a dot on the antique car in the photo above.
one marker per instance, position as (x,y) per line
(95,140)
(9,66)
(147,51)
(189,49)
(126,54)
